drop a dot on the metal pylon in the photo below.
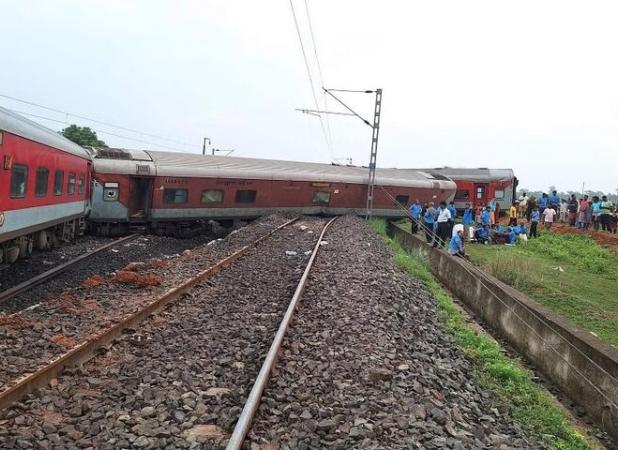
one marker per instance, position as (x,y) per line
(374,153)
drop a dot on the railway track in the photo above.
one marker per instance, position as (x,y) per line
(86,349)
(14,291)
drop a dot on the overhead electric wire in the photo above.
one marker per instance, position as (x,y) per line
(100,131)
(65,113)
(315,98)
(317,61)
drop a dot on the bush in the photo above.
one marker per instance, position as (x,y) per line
(519,272)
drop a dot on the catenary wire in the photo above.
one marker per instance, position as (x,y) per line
(468,265)
(65,113)
(315,99)
(317,60)
(101,131)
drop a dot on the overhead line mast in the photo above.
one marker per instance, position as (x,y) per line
(375,127)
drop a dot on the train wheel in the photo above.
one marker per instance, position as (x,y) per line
(25,248)
(12,254)
(43,240)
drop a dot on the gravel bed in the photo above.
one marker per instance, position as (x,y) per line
(30,338)
(24,269)
(180,380)
(138,249)
(365,364)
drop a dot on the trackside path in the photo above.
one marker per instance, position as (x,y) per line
(365,365)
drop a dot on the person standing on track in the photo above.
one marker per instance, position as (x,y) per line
(415,212)
(468,220)
(442,231)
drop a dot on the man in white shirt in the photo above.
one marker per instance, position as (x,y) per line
(522,205)
(549,215)
(442,232)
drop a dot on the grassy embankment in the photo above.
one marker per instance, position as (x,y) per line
(531,406)
(584,291)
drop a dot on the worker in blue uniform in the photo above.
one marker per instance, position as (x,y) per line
(485,217)
(428,220)
(468,220)
(554,201)
(543,202)
(456,246)
(415,213)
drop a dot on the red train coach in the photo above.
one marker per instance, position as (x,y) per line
(44,187)
(175,193)
(482,186)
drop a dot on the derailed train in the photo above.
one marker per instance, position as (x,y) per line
(51,189)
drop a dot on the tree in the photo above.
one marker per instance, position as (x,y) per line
(83,136)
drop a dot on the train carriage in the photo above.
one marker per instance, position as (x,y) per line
(175,193)
(44,187)
(482,186)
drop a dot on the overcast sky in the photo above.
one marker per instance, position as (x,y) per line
(530,85)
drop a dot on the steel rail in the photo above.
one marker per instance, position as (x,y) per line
(86,350)
(51,273)
(253,401)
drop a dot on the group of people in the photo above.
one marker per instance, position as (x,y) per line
(482,224)
(598,213)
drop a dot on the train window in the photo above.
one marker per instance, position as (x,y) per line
(175,195)
(212,196)
(110,192)
(80,184)
(462,194)
(480,192)
(71,187)
(40,185)
(19,180)
(58,182)
(245,196)
(402,199)
(321,197)
(499,195)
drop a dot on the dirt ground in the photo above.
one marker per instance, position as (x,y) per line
(601,237)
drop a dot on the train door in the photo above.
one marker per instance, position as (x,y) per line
(140,198)
(480,194)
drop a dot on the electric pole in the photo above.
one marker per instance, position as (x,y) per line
(375,127)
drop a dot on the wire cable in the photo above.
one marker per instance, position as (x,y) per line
(315,99)
(100,131)
(317,60)
(471,269)
(65,113)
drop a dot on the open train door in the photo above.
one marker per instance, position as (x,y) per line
(480,194)
(140,198)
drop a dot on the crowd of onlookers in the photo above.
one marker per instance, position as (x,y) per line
(442,226)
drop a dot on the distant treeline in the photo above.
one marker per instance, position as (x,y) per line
(566,195)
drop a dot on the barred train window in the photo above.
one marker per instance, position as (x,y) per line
(321,197)
(175,195)
(245,196)
(462,194)
(80,184)
(71,187)
(212,196)
(19,180)
(58,182)
(40,185)
(499,195)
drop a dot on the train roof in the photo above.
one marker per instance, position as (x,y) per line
(472,174)
(172,164)
(17,124)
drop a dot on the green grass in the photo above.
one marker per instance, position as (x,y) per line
(585,292)
(532,407)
